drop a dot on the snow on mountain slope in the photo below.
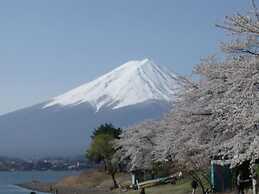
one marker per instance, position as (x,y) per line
(132,83)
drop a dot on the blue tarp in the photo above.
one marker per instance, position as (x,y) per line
(221,177)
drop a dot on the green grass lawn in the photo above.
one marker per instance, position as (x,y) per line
(182,187)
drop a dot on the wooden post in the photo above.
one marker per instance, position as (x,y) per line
(254,186)
(212,174)
(253,177)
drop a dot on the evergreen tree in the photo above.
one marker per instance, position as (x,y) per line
(108,129)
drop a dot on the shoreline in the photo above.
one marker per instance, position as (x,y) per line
(87,182)
(36,186)
(45,188)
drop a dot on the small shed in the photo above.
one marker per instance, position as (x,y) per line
(222,175)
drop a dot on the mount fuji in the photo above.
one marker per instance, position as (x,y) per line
(132,93)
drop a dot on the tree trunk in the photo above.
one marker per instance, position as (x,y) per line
(202,187)
(105,166)
(196,177)
(115,184)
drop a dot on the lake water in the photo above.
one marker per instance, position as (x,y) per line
(9,179)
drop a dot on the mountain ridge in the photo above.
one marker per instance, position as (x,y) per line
(131,83)
(65,130)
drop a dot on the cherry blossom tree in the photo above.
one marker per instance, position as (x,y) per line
(216,115)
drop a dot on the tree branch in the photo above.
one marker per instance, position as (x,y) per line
(255,9)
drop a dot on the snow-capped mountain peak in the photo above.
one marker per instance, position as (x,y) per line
(131,83)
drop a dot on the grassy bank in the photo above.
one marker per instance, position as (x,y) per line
(182,187)
(98,182)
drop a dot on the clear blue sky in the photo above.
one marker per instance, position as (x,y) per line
(50,46)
